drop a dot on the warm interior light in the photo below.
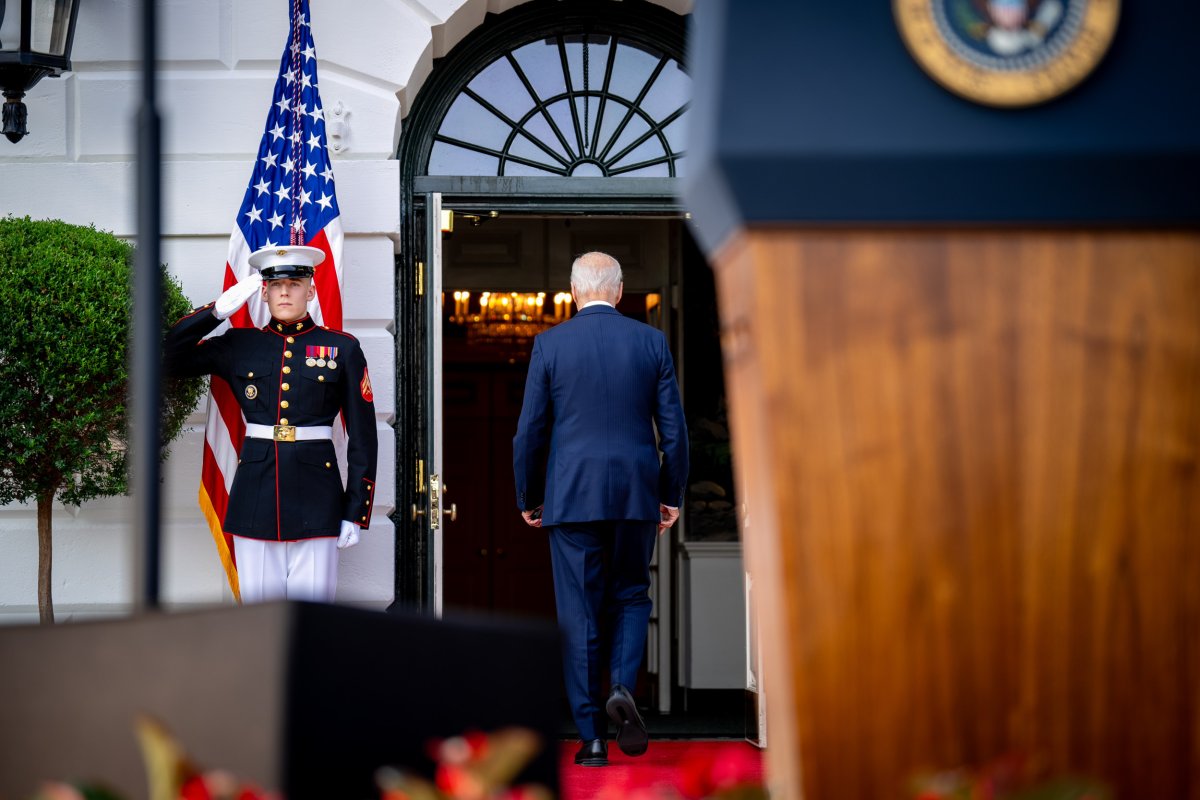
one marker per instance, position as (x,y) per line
(509,314)
(447,221)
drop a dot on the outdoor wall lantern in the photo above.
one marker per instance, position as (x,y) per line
(35,41)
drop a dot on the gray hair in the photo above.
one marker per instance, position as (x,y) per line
(596,274)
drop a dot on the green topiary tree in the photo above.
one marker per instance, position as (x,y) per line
(66,303)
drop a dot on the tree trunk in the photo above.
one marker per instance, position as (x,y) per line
(45,506)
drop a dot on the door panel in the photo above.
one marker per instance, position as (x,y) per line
(492,559)
(523,580)
(465,554)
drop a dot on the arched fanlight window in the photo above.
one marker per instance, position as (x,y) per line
(577,105)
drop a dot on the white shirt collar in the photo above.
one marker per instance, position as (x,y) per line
(591,303)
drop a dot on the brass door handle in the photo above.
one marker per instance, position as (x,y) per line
(436,511)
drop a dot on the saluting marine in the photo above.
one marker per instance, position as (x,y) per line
(288,510)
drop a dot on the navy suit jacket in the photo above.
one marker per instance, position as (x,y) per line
(598,385)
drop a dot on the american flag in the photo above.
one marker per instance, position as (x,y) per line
(289,200)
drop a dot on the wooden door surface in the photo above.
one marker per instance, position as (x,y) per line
(493,561)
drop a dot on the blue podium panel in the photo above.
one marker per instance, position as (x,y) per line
(817,113)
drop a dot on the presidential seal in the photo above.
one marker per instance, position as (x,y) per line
(1007,53)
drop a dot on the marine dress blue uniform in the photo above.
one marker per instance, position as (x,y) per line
(288,375)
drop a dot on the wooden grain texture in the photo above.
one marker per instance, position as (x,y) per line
(970,461)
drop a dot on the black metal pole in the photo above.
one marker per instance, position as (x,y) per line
(145,345)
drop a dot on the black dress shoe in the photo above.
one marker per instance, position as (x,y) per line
(631,730)
(592,754)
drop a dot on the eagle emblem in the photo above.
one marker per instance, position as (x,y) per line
(1007,52)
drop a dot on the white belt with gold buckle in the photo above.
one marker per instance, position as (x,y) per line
(289,433)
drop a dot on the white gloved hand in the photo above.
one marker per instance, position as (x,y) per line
(236,296)
(349,535)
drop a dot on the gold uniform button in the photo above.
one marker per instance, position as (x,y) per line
(285,387)
(368,502)
(291,340)
(287,370)
(364,519)
(327,465)
(320,377)
(287,353)
(283,403)
(283,421)
(249,374)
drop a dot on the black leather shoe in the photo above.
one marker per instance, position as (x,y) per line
(592,754)
(631,730)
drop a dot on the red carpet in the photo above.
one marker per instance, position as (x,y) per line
(690,768)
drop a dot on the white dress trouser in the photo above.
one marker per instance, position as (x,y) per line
(303,570)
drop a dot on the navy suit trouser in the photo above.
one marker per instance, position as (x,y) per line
(601,578)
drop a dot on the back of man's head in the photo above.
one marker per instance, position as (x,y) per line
(596,276)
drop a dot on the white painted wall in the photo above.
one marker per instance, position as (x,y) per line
(219,60)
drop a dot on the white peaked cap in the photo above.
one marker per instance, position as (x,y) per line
(275,260)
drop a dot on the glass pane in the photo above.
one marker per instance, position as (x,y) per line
(449,159)
(42,27)
(586,169)
(10,28)
(671,90)
(524,148)
(631,71)
(647,150)
(539,61)
(575,64)
(471,122)
(614,112)
(652,171)
(48,33)
(499,85)
(513,168)
(676,133)
(539,129)
(636,127)
(588,119)
(711,503)
(561,114)
(598,47)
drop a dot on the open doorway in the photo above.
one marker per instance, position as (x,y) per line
(505,279)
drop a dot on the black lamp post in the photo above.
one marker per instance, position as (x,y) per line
(35,41)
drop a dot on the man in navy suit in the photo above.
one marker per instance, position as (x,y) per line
(587,467)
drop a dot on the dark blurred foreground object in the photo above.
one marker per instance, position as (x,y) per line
(306,698)
(962,346)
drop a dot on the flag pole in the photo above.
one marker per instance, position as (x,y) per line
(146,333)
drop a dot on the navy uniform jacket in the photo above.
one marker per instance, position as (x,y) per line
(598,385)
(283,491)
